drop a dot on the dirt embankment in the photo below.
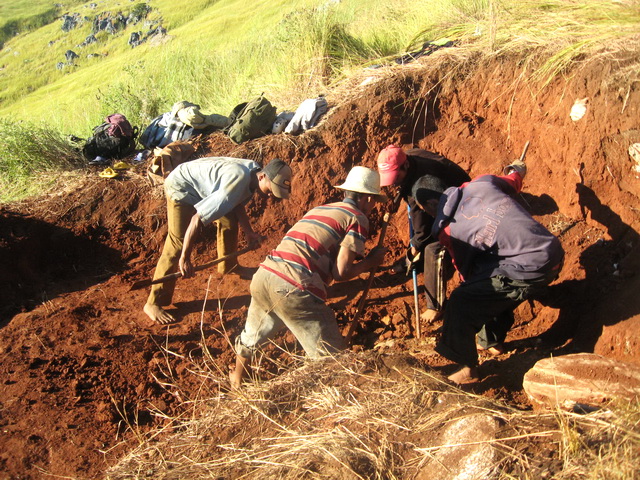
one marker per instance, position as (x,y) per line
(81,363)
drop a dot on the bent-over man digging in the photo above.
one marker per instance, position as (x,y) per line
(502,254)
(200,192)
(404,168)
(290,287)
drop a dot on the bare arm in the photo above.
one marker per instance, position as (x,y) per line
(253,238)
(345,268)
(184,264)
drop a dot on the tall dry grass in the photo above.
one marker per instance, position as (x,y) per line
(364,416)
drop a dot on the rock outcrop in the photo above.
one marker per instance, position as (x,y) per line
(466,450)
(581,379)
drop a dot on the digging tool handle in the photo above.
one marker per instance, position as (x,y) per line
(365,292)
(414,274)
(171,276)
(524,151)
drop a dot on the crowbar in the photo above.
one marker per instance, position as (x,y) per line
(146,283)
(524,151)
(440,283)
(365,292)
(416,305)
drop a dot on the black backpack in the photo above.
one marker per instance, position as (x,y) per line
(115,138)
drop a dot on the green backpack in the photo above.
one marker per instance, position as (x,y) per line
(253,121)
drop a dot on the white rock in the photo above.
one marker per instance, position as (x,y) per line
(579,109)
(581,378)
(465,451)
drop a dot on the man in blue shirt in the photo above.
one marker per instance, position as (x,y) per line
(200,192)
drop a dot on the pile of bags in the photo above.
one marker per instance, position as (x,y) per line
(115,138)
(258,117)
(183,121)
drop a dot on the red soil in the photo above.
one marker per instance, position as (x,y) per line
(80,359)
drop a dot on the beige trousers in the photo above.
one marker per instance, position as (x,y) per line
(178,218)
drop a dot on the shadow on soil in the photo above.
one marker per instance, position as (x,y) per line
(605,263)
(40,261)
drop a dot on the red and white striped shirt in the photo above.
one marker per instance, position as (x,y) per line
(308,251)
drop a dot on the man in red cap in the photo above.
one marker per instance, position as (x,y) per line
(401,168)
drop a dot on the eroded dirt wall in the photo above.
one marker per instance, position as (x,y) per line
(80,361)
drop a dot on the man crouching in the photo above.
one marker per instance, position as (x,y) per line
(290,287)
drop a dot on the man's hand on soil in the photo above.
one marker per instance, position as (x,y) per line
(376,255)
(185,266)
(254,240)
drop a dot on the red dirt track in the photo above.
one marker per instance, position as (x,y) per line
(79,359)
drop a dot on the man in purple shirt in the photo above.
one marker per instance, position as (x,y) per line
(502,255)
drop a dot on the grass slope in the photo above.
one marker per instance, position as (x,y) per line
(223,52)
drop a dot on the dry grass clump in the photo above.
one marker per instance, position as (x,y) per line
(367,416)
(539,64)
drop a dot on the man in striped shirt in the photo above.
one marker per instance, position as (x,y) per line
(290,287)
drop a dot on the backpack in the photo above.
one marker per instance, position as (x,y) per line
(163,130)
(254,120)
(168,158)
(115,138)
(120,126)
(233,116)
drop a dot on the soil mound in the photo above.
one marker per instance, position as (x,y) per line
(84,370)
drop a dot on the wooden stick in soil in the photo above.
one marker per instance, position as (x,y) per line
(363,298)
(146,283)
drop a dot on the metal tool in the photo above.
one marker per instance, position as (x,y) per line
(146,283)
(415,281)
(524,151)
(365,292)
(440,282)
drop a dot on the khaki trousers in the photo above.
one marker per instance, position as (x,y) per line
(275,305)
(227,241)
(178,218)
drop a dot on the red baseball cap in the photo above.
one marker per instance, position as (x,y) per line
(390,161)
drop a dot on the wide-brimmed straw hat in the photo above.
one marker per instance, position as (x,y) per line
(363,180)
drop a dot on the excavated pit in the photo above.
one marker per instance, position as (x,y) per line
(80,360)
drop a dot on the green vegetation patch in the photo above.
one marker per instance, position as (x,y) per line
(219,53)
(27,151)
(18,16)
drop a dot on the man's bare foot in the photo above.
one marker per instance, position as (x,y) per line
(158,315)
(495,350)
(465,376)
(234,380)
(237,375)
(430,315)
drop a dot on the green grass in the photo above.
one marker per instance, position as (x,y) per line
(18,16)
(223,52)
(29,152)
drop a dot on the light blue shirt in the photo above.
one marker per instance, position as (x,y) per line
(213,186)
